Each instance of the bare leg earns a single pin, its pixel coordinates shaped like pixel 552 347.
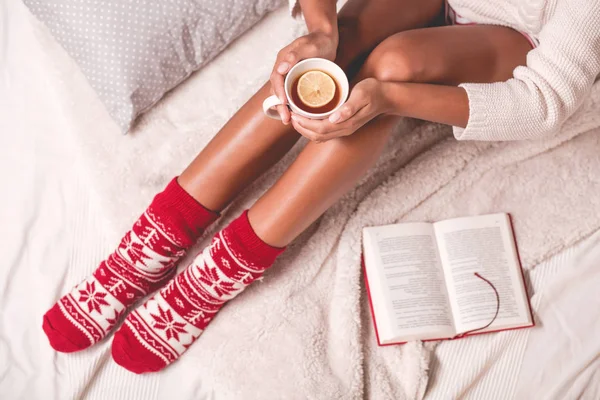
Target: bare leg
pixel 250 143
pixel 322 173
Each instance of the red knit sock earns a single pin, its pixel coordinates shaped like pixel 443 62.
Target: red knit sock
pixel 159 332
pixel 144 260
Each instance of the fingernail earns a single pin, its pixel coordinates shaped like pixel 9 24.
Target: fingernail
pixel 283 67
pixel 335 117
pixel 295 118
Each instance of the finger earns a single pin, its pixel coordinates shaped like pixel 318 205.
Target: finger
pixel 284 113
pixel 355 103
pixel 304 132
pixel 329 131
pixel 288 61
pixel 352 124
pixel 307 133
pixel 345 112
pixel 321 126
pixel 318 136
pixel 277 81
pixel 325 128
pixel 285 63
pixel 283 67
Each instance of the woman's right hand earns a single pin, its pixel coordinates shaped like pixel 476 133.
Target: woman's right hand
pixel 315 44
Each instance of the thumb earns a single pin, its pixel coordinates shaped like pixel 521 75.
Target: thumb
pixel 344 113
pixel 356 101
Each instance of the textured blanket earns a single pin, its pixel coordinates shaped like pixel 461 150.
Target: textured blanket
pixel 305 331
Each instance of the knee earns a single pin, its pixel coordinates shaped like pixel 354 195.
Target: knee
pixel 396 59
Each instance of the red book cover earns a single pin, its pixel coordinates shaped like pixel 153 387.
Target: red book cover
pixel 470 333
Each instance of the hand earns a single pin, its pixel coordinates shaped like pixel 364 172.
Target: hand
pixel 315 44
pixel 367 100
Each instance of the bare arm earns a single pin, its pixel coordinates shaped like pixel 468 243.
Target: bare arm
pixel 321 41
pixel 370 98
pixel 320 16
pixel 438 103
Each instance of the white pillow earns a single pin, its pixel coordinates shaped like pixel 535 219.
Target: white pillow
pixel 132 52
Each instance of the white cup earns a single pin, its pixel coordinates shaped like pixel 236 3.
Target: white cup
pixel 303 66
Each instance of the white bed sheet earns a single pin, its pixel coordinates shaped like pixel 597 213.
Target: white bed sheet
pixel 47 226
pixel 49 223
pixel 557 359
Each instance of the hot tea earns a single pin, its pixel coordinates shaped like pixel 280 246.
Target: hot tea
pixel 315 92
pixel 315 89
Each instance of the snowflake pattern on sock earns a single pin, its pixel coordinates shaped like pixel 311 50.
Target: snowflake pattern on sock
pixel 160 331
pixel 143 261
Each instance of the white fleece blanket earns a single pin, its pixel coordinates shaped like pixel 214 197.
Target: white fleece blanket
pixel 305 331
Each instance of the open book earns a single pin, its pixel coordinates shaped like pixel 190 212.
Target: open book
pixel 422 283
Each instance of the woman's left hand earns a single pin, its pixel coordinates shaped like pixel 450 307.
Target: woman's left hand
pixel 366 101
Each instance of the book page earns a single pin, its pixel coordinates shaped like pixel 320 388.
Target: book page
pixel 406 283
pixel 485 245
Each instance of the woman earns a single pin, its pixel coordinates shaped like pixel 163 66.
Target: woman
pixel 530 65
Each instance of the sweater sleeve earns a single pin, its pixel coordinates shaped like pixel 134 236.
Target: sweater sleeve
pixel 543 94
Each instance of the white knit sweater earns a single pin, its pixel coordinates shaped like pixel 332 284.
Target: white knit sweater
pixel 558 75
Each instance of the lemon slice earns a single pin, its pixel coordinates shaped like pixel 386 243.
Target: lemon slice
pixel 316 89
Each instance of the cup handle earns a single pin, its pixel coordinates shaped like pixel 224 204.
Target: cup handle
pixel 268 105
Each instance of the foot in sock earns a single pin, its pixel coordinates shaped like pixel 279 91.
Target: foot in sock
pixel 144 260
pixel 160 331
